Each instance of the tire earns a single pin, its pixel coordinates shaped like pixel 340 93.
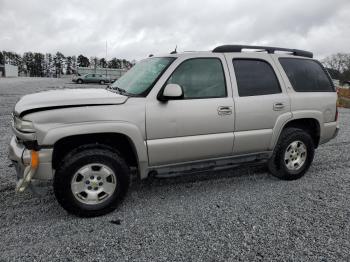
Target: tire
pixel 102 82
pixel 287 161
pixel 95 160
pixel 80 81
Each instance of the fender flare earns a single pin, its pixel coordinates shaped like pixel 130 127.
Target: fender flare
pixel 119 127
pixel 282 121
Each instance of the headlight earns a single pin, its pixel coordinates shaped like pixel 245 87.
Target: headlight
pixel 23 125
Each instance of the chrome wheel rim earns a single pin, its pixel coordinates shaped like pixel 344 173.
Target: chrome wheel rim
pixel 93 184
pixel 295 155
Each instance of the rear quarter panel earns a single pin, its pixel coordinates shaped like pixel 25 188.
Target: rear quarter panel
pixel 318 105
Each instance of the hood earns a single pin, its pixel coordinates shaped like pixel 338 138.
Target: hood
pixel 67 98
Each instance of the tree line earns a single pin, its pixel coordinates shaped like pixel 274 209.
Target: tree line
pixel 338 66
pixel 48 65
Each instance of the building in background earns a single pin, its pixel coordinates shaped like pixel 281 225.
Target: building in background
pixel 8 70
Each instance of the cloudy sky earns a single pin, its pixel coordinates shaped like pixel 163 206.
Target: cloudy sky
pixel 135 28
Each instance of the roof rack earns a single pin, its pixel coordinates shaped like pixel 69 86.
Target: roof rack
pixel 268 49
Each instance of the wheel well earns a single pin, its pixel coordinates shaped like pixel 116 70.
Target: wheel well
pixel 310 125
pixel 119 142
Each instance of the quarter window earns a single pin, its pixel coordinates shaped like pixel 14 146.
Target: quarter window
pixel 306 75
pixel 200 78
pixel 255 77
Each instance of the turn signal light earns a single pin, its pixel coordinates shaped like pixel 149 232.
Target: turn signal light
pixel 34 162
pixel 336 114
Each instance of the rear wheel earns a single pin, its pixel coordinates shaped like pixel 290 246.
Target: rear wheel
pixel 91 181
pixel 102 82
pixel 293 154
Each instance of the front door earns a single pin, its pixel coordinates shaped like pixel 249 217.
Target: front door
pixel 199 126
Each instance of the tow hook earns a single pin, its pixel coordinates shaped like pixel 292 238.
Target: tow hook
pixel 32 162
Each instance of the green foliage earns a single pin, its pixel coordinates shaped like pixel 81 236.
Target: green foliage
pixel 103 63
pixel 69 65
pixel 114 63
pixel 1 59
pixel 48 65
pixel 83 61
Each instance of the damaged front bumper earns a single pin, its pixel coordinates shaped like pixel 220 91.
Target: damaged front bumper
pixel 31 173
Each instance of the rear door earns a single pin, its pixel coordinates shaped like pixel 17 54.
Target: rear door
pixel 260 101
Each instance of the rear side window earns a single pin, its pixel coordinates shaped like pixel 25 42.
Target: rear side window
pixel 255 77
pixel 306 75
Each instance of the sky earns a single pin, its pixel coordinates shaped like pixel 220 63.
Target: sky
pixel 133 29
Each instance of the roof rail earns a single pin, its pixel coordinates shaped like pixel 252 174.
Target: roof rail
pixel 268 49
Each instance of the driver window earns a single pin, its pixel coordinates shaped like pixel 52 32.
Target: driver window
pixel 200 78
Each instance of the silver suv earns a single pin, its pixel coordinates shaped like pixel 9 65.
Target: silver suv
pixel 171 114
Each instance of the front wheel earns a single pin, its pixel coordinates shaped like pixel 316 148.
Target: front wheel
pixel 80 81
pixel 91 181
pixel 102 82
pixel 293 154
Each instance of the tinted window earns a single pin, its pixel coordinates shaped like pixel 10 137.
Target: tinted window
pixel 306 75
pixel 255 77
pixel 200 78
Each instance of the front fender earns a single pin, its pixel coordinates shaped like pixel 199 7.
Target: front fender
pixel 51 136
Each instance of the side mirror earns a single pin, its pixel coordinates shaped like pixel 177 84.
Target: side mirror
pixel 171 92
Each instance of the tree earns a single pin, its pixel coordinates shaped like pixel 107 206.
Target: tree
pixel 28 61
pixel 339 62
pixel 114 63
pixel 69 65
pixel 11 58
pixel 94 62
pixel 58 63
pixel 83 61
pixel 38 64
pixel 18 61
pixel 2 60
pixel 103 63
pixel 48 65
pixel 74 64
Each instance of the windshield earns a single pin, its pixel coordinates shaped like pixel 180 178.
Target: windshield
pixel 141 78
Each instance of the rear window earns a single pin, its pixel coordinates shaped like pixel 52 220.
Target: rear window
pixel 307 75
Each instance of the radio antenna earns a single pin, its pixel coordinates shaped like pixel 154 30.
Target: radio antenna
pixel 174 52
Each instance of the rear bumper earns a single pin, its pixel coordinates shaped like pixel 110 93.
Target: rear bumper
pixel 27 176
pixel 336 132
pixel 329 131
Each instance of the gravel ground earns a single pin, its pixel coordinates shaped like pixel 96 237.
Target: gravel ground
pixel 240 214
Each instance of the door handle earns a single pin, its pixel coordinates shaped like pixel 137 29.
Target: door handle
pixel 224 110
pixel 278 106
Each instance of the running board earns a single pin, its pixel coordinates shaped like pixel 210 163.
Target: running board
pixel 207 165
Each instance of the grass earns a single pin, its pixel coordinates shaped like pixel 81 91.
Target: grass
pixel 343 98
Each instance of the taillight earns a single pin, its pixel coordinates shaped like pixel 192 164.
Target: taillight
pixel 336 114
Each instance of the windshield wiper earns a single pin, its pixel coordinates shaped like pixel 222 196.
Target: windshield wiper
pixel 122 91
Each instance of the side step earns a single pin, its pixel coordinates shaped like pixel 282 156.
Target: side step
pixel 207 165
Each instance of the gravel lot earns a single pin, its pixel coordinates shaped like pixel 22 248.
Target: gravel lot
pixel 240 214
